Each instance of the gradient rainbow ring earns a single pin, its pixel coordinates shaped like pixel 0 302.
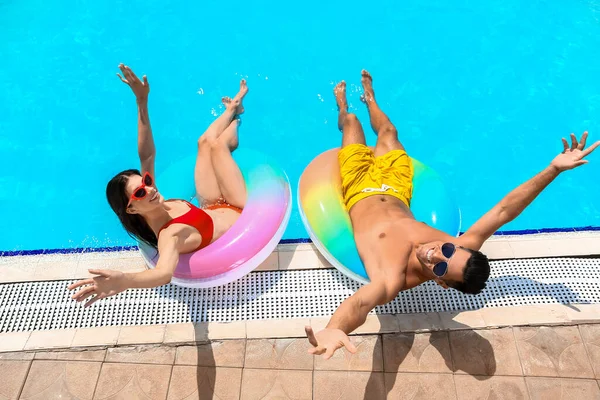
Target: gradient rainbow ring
pixel 249 241
pixel 327 222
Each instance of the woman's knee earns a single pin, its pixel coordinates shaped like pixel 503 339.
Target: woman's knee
pixel 205 143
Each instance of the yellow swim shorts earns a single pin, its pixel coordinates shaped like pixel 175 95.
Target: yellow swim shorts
pixel 365 175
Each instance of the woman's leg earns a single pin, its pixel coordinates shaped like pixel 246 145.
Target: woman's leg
pixel 207 187
pixel 229 176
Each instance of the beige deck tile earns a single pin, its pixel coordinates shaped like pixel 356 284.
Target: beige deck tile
pixel 323 263
pixel 553 351
pixel 419 386
pixel 205 331
pixel 270 264
pixel 318 323
pixel 417 352
pixel 591 338
pixel 502 317
pixel 55 338
pixel 369 356
pixel 13 375
pixel 562 389
pixel 224 353
pixel 99 336
pixel 258 384
pixel 279 354
pixel 299 259
pixel 555 247
pixel 17 268
pixel 374 324
pixel 180 333
pixel 13 341
pixel 497 249
pixel 56 266
pixel 141 355
pixel 276 328
pixel 133 381
pixel 61 379
pixel 491 387
pixel 199 383
pixel 17 356
pixel 141 334
pixel 348 385
pixel 378 323
pixel 582 313
pixel 485 352
pixel 291 247
pixel 419 322
pixel 456 320
pixel 79 355
pixel 532 315
pixel 124 264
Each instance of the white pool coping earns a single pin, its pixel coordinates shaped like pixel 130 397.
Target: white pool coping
pixel 34 268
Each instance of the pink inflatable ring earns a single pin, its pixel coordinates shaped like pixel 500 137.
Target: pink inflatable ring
pixel 249 241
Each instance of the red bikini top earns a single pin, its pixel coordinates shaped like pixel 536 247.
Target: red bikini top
pixel 198 219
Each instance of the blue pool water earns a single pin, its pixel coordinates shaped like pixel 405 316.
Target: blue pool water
pixel 481 91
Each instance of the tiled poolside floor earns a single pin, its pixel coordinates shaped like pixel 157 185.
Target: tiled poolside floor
pixel 543 362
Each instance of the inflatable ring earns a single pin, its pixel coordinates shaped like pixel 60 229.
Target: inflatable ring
pixel 249 241
pixel 328 224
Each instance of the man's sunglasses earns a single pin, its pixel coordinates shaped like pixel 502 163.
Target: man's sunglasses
pixel 440 269
pixel 140 192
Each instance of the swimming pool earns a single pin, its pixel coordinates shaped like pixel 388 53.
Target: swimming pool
pixel 481 92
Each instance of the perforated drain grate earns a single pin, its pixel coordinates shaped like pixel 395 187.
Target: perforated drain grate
pixel 291 294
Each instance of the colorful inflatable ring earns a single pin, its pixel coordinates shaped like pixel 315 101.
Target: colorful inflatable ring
pixel 328 224
pixel 249 241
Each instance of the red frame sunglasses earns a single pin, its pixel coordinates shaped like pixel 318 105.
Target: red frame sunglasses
pixel 140 192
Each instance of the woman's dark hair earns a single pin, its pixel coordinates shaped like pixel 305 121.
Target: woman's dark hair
pixel 135 225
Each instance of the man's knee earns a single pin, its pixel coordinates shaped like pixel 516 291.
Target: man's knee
pixel 350 119
pixel 388 132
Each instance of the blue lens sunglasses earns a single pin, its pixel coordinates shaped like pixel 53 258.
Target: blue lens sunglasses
pixel 440 269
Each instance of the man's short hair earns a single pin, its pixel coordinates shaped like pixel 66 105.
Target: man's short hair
pixel 475 275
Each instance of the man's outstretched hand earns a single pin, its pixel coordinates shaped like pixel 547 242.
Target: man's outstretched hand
pixel 328 341
pixel 572 157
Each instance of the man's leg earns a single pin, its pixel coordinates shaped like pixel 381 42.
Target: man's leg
pixel 347 123
pixel 387 135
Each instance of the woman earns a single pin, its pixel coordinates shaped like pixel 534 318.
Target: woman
pixel 175 226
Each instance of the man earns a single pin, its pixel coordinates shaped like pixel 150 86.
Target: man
pixel 399 252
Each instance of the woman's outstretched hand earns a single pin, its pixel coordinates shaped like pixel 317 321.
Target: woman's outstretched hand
pixel 139 88
pixel 106 283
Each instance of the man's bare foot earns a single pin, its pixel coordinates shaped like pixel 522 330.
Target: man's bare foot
pixel 237 100
pixel 367 82
pixel 339 91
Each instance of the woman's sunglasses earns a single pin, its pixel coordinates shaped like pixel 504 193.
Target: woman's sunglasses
pixel 140 192
pixel 440 269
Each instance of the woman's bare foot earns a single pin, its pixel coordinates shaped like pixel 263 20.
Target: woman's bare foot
pixel 339 91
pixel 367 82
pixel 236 102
